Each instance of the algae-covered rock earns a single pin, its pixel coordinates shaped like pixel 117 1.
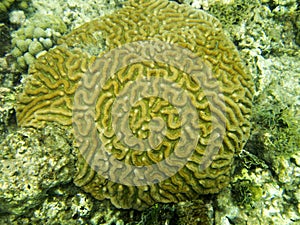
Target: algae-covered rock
pixel 258 27
pixel 75 13
pixel 256 197
pixel 194 212
pixel 7 112
pixel 5 39
pixel 67 205
pixel 270 184
pixel 205 4
pixel 263 188
pixel 32 162
pixel 7 99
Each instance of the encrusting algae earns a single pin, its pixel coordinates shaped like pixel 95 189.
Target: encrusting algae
pixel 64 81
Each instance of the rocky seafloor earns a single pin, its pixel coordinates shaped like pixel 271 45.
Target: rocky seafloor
pixel 36 180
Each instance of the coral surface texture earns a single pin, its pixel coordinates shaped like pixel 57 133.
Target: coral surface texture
pixel 170 98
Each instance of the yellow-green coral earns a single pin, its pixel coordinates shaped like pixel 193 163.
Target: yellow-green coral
pixel 49 96
pixel 38 34
pixel 5 6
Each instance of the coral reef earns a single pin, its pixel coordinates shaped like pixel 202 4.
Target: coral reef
pixel 39 33
pixel 265 186
pixel 75 13
pixel 17 17
pixel 257 29
pixel 6 5
pixel 49 92
pixel 50 20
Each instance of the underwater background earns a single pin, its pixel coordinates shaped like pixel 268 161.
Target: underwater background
pixel 37 165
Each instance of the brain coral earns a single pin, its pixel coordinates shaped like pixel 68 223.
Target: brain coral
pixel 65 83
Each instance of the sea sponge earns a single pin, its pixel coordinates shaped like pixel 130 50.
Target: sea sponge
pixel 178 82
